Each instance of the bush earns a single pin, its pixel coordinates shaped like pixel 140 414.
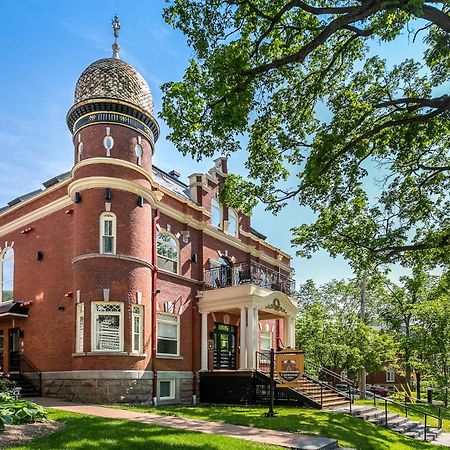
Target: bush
pixel 5 384
pixel 19 411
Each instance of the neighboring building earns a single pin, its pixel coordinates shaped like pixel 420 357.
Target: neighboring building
pixel 121 283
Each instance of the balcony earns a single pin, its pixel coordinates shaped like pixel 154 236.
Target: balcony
pixel 248 273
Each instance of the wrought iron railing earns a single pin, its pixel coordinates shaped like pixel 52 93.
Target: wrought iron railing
pixel 248 273
pixel 31 373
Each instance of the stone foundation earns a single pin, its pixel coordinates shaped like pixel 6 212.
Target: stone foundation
pixel 114 386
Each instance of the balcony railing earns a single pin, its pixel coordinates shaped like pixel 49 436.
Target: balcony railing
pixel 248 273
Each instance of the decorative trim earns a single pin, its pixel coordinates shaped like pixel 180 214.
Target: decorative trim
pixel 152 197
pixel 105 255
pixel 98 374
pixel 39 213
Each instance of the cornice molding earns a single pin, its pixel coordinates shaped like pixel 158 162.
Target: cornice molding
pixel 39 213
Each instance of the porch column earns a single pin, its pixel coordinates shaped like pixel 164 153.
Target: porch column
pixel 251 338
pixel 287 332
pixel 256 335
pixel 292 326
pixel 242 340
pixel 204 348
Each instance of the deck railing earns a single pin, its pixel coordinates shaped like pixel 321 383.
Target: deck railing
pixel 248 273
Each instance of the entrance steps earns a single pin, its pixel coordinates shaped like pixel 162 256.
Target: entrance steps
pixel 395 422
pixel 27 388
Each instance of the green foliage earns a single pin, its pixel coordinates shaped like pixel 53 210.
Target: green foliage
pixel 331 333
pixel 21 411
pixel 374 167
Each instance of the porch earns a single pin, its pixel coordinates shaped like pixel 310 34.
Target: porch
pixel 232 344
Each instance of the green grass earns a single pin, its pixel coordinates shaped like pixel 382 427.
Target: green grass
pixel 350 432
pixel 413 415
pixel 87 432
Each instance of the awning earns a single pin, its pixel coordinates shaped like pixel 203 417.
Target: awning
pixel 14 309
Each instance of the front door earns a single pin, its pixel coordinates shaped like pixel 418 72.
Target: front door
pixel 224 346
pixel 14 350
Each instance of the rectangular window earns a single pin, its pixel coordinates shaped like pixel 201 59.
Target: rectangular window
pixel 107 327
pixel 266 341
pixel 108 237
pixel 137 329
pixel 390 376
pixel 168 332
pixel 167 389
pixel 344 375
pixel 80 328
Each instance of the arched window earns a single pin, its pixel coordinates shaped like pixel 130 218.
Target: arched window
pixel 108 233
pixel 167 250
pixel 7 273
pixel 232 222
pixel 216 213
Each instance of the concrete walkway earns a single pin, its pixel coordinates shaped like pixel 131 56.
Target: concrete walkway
pixel 263 436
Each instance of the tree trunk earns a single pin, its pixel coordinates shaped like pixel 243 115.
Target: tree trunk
pixel 362 383
pixel 418 385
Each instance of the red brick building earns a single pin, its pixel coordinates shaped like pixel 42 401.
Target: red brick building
pixel 119 282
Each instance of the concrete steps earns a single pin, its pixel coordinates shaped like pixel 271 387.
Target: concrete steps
pixel 395 422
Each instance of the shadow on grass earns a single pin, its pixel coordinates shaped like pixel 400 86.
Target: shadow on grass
pixel 348 430
pixel 88 432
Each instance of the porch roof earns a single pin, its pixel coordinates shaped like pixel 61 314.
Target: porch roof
pixel 13 309
pixel 271 304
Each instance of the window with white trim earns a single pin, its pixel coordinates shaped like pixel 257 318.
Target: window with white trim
pixel 80 329
pixel 344 374
pixel 107 326
pixel 390 375
pixel 232 222
pixel 265 341
pixel 167 250
pixel 168 334
pixel 166 389
pixel 108 233
pixel 7 275
pixel 79 151
pixel 138 152
pixel 137 329
pixel 216 213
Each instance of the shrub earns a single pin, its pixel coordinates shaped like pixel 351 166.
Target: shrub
pixel 5 384
pixel 20 411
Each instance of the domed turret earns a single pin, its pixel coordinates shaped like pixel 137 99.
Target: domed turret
pixel 115 79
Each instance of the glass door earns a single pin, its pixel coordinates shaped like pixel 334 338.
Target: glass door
pixel 224 346
pixel 14 350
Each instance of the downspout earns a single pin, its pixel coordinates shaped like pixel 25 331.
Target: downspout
pixel 155 292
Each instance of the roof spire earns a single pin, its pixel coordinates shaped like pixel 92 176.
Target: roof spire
pixel 116 28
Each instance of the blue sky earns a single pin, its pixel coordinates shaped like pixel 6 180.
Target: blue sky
pixel 46 45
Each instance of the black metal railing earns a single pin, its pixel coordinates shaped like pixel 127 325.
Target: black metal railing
pixel 248 273
pixel 31 373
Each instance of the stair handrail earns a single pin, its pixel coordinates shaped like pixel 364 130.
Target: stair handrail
pixel 406 407
pixel 34 369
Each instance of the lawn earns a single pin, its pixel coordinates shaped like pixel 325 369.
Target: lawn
pixel 349 431
pixel 88 432
pixel 413 415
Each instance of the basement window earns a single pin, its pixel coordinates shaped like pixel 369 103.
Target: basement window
pixel 167 389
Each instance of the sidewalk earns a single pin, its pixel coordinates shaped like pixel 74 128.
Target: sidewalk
pixel 263 436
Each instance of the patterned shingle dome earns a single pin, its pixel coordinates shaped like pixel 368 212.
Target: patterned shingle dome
pixel 114 78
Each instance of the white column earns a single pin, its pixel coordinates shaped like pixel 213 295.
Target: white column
pixel 204 348
pixel 287 332
pixel 256 335
pixel 251 339
pixel 292 326
pixel 242 340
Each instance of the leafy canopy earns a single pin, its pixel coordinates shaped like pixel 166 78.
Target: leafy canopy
pixel 261 71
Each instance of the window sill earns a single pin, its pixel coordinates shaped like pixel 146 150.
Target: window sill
pixel 168 356
pixel 138 355
pixel 103 353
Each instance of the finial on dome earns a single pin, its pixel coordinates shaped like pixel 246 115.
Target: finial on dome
pixel 116 28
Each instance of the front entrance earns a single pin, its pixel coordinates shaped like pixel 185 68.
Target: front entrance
pixel 224 346
pixel 14 350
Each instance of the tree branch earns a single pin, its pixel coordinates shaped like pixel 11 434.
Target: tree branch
pixel 438 17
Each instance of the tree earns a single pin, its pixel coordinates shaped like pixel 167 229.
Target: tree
pixel 263 68
pixel 331 333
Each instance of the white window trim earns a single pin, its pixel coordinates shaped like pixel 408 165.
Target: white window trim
pixel 172 389
pixel 79 339
pixel 390 375
pixel 168 355
pixel 162 256
pixel 94 314
pixel 2 256
pixel 232 212
pixel 219 207
pixel 139 350
pixel 103 216
pixel 266 335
